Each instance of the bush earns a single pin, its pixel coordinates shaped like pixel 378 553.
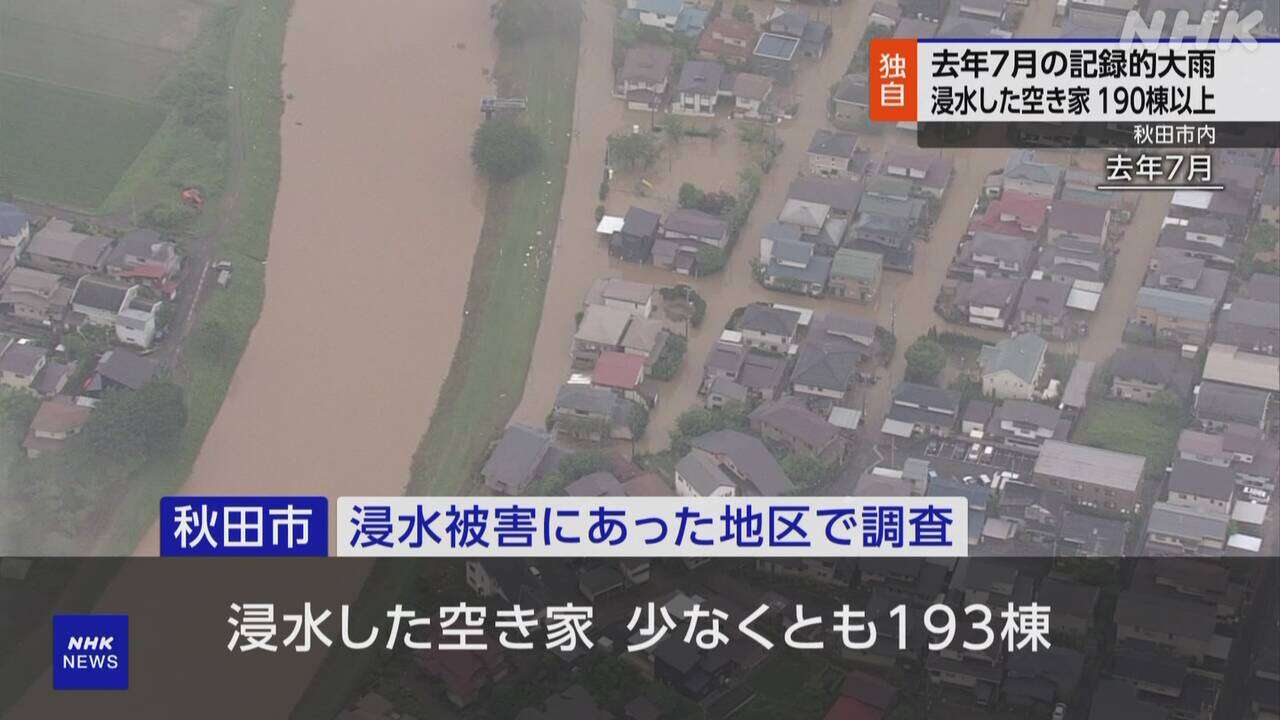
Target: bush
pixel 128 426
pixel 634 151
pixel 700 421
pixel 711 260
pixel 925 359
pixel 167 216
pixel 504 149
pixel 669 360
pixel 807 471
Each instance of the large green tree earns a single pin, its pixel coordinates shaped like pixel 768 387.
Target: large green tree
pixel 925 359
pixel 504 149
pixel 129 426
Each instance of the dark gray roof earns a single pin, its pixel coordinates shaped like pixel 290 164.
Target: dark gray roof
pixel 1191 524
pixel 840 194
pixel 575 702
pixel 1254 313
pixel 988 292
pixel 701 77
pixel 12 220
pixel 22 360
pixel 1044 297
pixel 793 418
pixel 688 221
pixel 761 372
pixel 596 484
pixel 781 231
pixel 1152 366
pixel 1117 700
pixel 1226 403
pixel 771 320
pixel 100 294
pixel 127 368
pixel 647 64
pixel 1022 166
pixel 586 398
pixel 1029 413
pixel 1077 218
pixel 1208 481
pixel 640 222
pixel 702 473
pixel 750 456
pixel 815 272
pixel 1070 598
pixel 853 90
pixel 1263 287
pixel 1004 247
pixel 837 144
pixel 927 396
pixel 827 363
pixel 514 459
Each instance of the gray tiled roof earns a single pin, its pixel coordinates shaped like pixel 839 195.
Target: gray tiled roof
pixel 762 318
pixel 1208 481
pixel 750 456
pixel 516 456
pixel 1021 356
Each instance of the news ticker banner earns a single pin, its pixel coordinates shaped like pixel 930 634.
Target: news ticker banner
pixel 982 92
pixel 565 527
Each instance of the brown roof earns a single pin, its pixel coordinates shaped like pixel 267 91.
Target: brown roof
pixel 647 63
pixel 1077 218
pixel 59 416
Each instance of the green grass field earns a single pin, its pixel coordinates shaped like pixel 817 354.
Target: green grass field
pixel 68 146
pixel 1146 430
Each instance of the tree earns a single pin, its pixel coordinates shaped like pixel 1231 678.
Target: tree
pixel 711 260
pixel 634 151
pixel 577 465
pixel 129 426
pixel 690 195
pixel 742 13
pixel 668 363
pixel 504 149
pixel 519 20
pixel 700 421
pixel 925 359
pixel 806 470
pixel 167 216
pixel 674 127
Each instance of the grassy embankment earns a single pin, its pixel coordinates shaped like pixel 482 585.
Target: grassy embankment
pixel 503 308
pixel 253 69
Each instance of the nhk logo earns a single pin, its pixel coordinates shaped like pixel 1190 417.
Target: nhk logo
pixel 91 652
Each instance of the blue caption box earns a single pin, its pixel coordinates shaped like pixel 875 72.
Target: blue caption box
pixel 277 526
pixel 90 652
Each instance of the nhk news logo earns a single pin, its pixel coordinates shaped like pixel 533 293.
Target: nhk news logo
pixel 90 652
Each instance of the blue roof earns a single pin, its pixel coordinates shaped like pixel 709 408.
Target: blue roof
pixel 776 47
pixel 1176 304
pixel 692 21
pixel 817 271
pixel 12 220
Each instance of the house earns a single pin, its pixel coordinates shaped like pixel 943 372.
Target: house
pixel 1179 530
pixel 1013 214
pixel 57 248
pixel 1025 425
pixel 987 10
pixel 643 78
pixel 54 423
pixel 794 267
pixel 1012 368
pixel 1218 406
pixel 989 254
pixel 727 40
pixel 759 374
pixel 814 39
pixel 921 409
pixel 121 369
pixel 977 414
pixel 1235 366
pixel 586 412
pixel 698 89
pixel 1090 476
pixel 692 21
pixel 1139 374
pixel 596 484
pixel 884 14
pixel 768 328
pixel 830 354
pixel 931 10
pixel 136 324
pixel 1176 237
pixel 929 172
pixel 53 378
pixel 601 328
pixel 751 95
pixel 34 296
pixel 855 276
pixel 791 424
pixel 1023 174
pixel 1075 396
pixel 774 53
pixel 645 338
pixel 1042 309
pixel 1202 487
pixel 1251 326
pixel 634 242
pixel 623 373
pixel 1173 316
pixel 831 153
pixel 689 225
pixel 1073 604
pixel 463 673
pixel 574 702
pixel 1041 679
pixel 20 365
pixel 890 237
pixel 661 14
pixel 1070 260
pixel 636 298
pixel 1084 222
pixel 516 459
pixel 986 302
pixel 15 233
pixel 850 103
pixel 101 301
pixel 142 257
pixel 841 197
pixel 728 463
pixel 1083 535
pixel 1171 270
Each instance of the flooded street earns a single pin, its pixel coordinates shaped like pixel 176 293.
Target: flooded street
pixel 376 223
pixel 906 302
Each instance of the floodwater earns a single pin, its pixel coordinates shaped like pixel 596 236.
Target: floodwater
pixel 376 224
pixel 906 301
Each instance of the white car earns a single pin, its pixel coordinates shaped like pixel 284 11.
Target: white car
pixel 1060 711
pixel 974 452
pixel 988 453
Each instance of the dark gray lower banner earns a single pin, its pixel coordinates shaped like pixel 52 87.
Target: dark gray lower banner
pixel 633 638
